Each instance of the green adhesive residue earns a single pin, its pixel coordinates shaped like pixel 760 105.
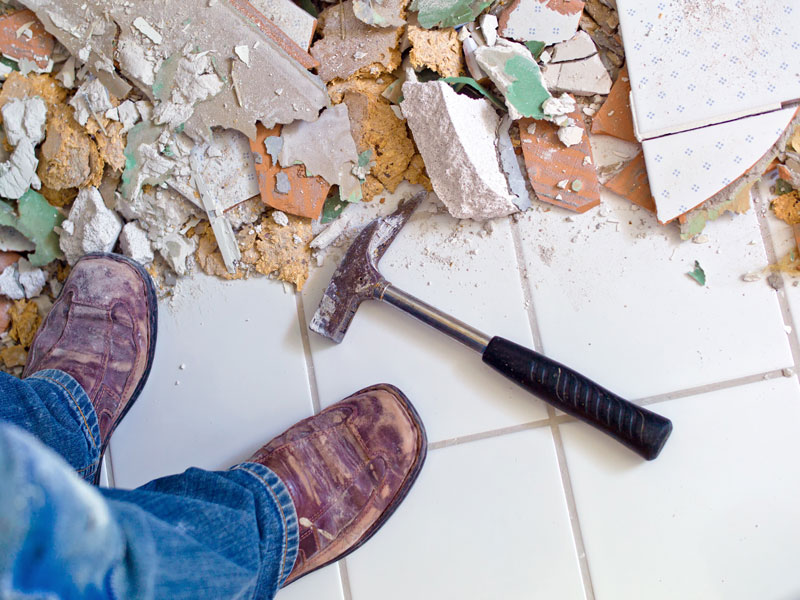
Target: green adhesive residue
pixel 165 78
pixel 527 93
pixel 536 48
pixel 477 87
pixel 364 158
pixel 698 274
pixel 333 206
pixel 443 13
pixel 35 219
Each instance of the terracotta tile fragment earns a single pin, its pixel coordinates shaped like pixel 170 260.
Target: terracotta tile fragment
pixel 37 48
pixel 632 183
pixel 7 259
pixel 306 196
pixel 549 163
pixel 615 118
pixel 271 30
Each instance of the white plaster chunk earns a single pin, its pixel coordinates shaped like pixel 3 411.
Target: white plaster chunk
pixel 469 46
pixel 90 99
pixel 176 249
pixel 534 20
pixel 195 80
pixel 135 59
pixel 159 211
pixel 492 59
pixel 585 77
pixel 24 119
pixel 489 28
pixel 243 52
pixel 326 148
pixel 134 243
pixel 9 283
pixel 91 226
pixel 280 218
pixel 66 75
pixel 562 105
pixel 579 46
pixel 457 138
pixel 32 279
pixel 148 30
pixel 570 135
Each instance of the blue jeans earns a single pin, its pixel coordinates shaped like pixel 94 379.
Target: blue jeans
pixel 201 534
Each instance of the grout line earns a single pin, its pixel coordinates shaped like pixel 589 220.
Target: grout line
pixel 572 508
pixel 561 458
pixel 772 257
pixel 474 437
pixel 344 575
pixel 312 374
pixel 516 236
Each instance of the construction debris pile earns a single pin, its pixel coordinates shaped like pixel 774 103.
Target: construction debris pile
pixel 231 136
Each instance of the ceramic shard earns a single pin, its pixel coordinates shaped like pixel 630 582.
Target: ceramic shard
pixel 587 77
pixel 457 137
pixel 23 37
pixel 632 183
pixel 615 118
pixel 548 21
pixel 446 13
pixel 290 18
pixel 326 148
pixel 562 176
pixel 306 195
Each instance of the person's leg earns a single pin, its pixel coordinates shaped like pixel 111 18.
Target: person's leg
pixel 215 535
pixel 53 407
pixel 88 362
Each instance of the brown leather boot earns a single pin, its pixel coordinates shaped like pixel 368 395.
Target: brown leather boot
pixel 102 331
pixel 347 469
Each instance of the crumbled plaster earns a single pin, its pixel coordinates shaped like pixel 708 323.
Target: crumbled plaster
pixel 134 243
pixel 91 227
pixel 457 137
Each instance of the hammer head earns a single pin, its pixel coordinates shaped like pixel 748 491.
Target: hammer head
pixel 357 278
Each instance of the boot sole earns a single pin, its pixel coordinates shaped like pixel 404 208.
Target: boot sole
pixel 152 305
pixel 402 492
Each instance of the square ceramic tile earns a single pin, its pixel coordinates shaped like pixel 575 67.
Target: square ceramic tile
pixel 324 584
pixel 715 516
pixel 486 519
pixel 687 168
pixel 697 62
pixel 612 299
pixel 243 380
pixel 461 269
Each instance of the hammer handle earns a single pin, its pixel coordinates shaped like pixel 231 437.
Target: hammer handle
pixel 639 429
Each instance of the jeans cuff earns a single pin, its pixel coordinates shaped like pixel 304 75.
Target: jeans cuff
pixel 283 501
pixel 82 409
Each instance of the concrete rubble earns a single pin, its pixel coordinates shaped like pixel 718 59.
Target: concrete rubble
pixel 217 136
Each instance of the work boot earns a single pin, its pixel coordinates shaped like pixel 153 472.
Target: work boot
pixel 347 469
pixel 101 331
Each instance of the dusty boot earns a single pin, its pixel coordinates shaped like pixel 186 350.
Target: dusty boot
pixel 347 469
pixel 102 332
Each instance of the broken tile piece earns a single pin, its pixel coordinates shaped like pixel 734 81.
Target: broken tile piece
pixel 290 18
pixel 436 49
pixel 516 74
pixel 489 26
pixel 548 21
pixel 326 148
pixel 577 47
pixel 306 195
pixel 35 219
pixel 632 183
pixel 511 165
pixel 38 47
pixel 456 137
pixel 91 227
pixel 586 77
pixel 365 50
pixel 698 274
pixel 550 163
pixel 615 118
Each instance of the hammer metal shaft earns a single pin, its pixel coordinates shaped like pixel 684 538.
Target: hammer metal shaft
pixel 437 319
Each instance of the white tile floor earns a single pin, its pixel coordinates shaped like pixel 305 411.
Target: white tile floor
pixel 517 501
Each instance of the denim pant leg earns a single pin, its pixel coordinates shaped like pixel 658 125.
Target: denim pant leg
pixel 53 407
pixel 228 534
